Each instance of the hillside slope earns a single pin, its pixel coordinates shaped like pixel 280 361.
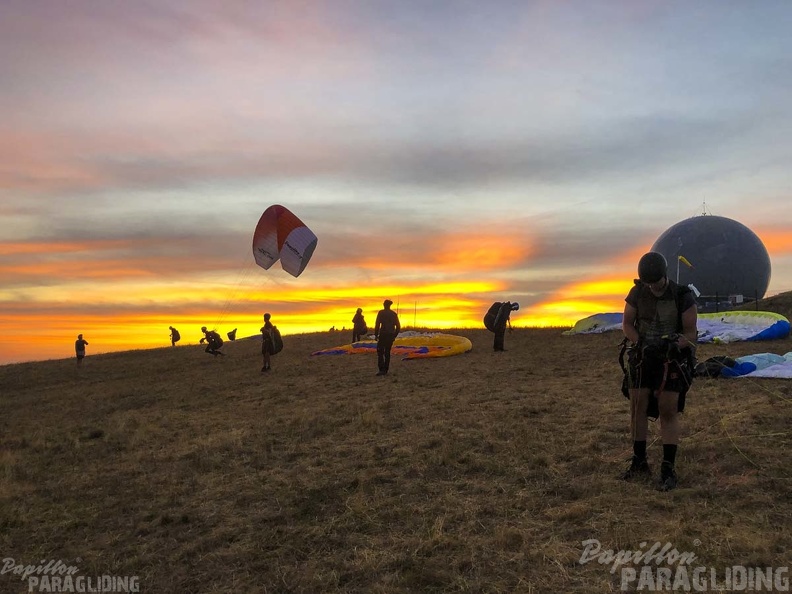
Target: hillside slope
pixel 781 304
pixel 483 472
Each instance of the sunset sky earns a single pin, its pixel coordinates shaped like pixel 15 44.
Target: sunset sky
pixel 447 155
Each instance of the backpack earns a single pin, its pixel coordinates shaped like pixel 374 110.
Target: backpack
pixel 491 316
pixel 215 340
pixel 713 366
pixel 277 340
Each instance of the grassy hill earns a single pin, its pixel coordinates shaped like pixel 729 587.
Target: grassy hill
pixel 483 472
pixel 781 304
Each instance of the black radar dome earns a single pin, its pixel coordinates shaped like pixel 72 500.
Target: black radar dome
pixel 727 257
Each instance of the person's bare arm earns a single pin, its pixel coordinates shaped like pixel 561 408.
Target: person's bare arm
pixel 628 323
pixel 689 335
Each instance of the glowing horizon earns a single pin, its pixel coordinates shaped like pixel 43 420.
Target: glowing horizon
pixel 439 157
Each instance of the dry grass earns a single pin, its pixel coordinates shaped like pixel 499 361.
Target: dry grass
pixel 476 473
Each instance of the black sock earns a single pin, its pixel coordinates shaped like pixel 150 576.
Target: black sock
pixel 639 449
pixel 669 453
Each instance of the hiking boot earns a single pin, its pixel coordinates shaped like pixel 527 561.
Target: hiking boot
pixel 668 477
pixel 639 468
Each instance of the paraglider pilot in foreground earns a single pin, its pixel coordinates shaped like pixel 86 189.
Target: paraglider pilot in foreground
pixel 213 341
pixel 386 329
pixel 660 323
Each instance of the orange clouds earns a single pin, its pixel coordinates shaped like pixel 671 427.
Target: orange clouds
pixel 126 292
pixel 777 241
pixel 580 299
pixel 19 248
pixel 469 250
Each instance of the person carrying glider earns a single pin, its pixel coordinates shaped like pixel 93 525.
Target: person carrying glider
pixel 359 327
pixel 79 348
pixel 497 318
pixel 174 335
pixel 500 325
pixel 213 341
pixel 660 323
pixel 386 329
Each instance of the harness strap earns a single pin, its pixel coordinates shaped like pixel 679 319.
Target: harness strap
pixel 661 387
pixel 623 346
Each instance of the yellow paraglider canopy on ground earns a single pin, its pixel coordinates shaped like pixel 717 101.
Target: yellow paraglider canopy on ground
pixel 410 345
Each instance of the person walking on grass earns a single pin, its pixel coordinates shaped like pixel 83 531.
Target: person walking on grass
pixel 79 348
pixel 386 329
pixel 659 322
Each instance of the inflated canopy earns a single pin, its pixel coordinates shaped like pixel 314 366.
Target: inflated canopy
pixel 280 235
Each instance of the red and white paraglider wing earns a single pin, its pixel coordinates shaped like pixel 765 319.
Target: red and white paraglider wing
pixel 297 248
pixel 265 238
pixel 280 234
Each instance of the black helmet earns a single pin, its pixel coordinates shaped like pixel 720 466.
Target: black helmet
pixel 652 267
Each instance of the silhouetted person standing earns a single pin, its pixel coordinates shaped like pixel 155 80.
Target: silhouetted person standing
pixel 267 343
pixel 174 336
pixel 386 329
pixel 79 348
pixel 359 327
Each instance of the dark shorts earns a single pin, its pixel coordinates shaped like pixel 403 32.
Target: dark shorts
pixel 654 372
pixel 657 373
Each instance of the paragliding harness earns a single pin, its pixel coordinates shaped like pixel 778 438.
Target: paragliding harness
pixel 714 366
pixel 676 362
pixel 497 316
pixel 277 340
pixel 214 340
